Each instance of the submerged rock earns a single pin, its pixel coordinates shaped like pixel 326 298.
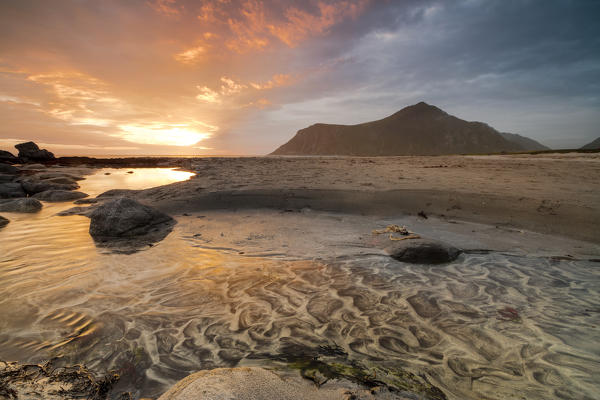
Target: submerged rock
pixel 3 221
pixel 29 151
pixel 8 169
pixel 422 251
pixel 5 178
pixel 11 190
pixel 126 218
pixel 23 205
pixel 59 195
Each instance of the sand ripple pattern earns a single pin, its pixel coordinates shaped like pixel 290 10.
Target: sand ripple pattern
pixel 163 313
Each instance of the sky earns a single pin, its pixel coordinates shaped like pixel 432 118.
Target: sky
pixel 240 77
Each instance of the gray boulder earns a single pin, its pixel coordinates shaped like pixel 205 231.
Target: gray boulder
pixel 6 156
pixel 8 169
pixel 30 151
pixel 3 221
pixel 126 218
pixel 59 195
pixel 11 190
pixel 52 175
pixel 33 186
pixel 422 251
pixel 23 205
pixel 4 178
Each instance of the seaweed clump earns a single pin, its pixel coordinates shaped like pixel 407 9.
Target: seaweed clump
pixel 331 362
pixel 48 381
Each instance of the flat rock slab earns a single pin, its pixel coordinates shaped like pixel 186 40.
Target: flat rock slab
pixel 59 195
pixel 11 190
pixel 36 186
pixel 258 383
pixel 22 205
pixel 8 169
pixel 422 251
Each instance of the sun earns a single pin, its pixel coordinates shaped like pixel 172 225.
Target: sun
pixel 163 134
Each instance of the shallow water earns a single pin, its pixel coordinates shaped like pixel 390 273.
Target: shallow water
pixel 160 314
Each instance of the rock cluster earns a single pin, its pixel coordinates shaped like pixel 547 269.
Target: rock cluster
pixel 30 151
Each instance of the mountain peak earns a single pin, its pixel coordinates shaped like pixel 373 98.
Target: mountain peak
pixel 420 129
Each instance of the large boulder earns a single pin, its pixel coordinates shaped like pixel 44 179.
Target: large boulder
pixel 126 218
pixel 33 186
pixel 422 251
pixel 30 151
pixel 8 169
pixel 11 190
pixel 59 195
pixel 3 221
pixel 5 178
pixel 259 383
pixel 7 157
pixel 23 205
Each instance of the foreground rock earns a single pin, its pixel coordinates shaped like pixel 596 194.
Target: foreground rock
pixel 59 195
pixel 422 251
pixel 125 217
pixel 3 221
pixel 30 151
pixel 11 190
pixel 23 205
pixel 127 226
pixel 259 383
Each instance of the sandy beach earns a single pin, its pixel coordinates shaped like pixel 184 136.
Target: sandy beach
pixel 556 194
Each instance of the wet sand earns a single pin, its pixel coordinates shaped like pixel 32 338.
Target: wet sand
pixel 275 257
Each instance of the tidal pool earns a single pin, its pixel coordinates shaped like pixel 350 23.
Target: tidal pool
pixel 178 307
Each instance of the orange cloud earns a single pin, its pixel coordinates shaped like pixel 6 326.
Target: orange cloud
pixel 276 81
pixel 165 7
pixel 301 24
pixel 252 25
pixel 190 56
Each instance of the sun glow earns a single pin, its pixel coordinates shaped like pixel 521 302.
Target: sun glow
pixel 163 134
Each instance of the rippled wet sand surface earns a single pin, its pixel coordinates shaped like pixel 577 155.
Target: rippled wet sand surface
pixel 160 314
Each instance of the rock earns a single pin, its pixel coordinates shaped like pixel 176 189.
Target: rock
pixel 24 205
pixel 6 156
pixel 3 221
pixel 33 167
pixel 11 190
pixel 8 169
pixel 5 178
pixel 30 151
pixel 33 186
pixel 85 211
pixel 59 195
pixel 422 251
pixel 86 201
pixel 260 383
pixel 123 217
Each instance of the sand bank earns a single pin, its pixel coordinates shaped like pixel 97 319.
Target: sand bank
pixel 555 194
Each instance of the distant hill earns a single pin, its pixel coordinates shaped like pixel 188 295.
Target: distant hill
pixel 525 142
pixel 592 145
pixel 420 129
